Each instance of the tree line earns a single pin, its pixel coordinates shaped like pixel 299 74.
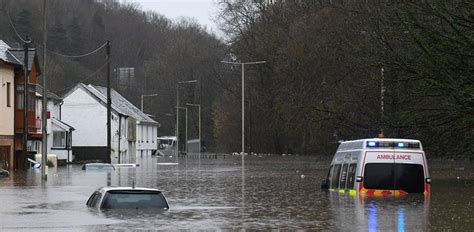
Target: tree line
pixel 326 61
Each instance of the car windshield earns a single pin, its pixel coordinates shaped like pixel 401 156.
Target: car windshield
pixel 134 199
pixel 394 176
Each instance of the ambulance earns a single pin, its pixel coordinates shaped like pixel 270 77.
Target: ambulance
pixel 379 167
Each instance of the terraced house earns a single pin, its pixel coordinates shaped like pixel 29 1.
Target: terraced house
pixel 12 106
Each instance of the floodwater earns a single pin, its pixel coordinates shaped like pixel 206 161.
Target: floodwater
pixel 210 194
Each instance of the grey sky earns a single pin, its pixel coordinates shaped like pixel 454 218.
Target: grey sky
pixel 202 10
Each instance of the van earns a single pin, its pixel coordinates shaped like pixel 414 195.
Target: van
pixel 379 167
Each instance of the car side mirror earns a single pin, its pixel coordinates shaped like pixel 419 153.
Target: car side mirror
pixel 428 180
pixel 359 179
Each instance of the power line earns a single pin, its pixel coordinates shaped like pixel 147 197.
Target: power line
pixel 14 29
pixel 79 56
pixel 85 79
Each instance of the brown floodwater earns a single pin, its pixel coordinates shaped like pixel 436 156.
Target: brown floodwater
pixel 271 192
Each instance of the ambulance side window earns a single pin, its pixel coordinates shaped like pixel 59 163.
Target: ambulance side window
pixel 342 180
pixel 351 175
pixel 335 176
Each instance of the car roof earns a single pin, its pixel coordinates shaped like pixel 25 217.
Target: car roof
pixel 112 188
pixel 383 139
pixel 98 164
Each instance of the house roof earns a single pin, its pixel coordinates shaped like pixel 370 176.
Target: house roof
pixel 51 95
pixel 124 105
pixel 6 55
pixel 15 56
pixel 19 54
pixel 62 124
pixel 119 104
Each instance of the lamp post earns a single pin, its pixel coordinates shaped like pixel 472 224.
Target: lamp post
pixel 177 112
pixel 243 97
pixel 199 108
pixel 186 119
pixel 147 95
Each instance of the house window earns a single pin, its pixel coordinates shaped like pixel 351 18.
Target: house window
pixel 59 139
pixel 8 94
pixel 31 101
pixel 19 100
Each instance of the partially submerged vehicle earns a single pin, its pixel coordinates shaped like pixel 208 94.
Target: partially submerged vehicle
pixel 166 145
pixel 127 198
pixel 379 167
pixel 98 167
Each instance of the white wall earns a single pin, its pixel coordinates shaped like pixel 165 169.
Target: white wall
pixel 6 113
pixel 88 117
pixel 146 139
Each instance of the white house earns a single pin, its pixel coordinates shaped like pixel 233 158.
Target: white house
pixel 59 133
pixel 84 107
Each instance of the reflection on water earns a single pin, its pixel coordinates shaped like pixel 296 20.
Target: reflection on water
pixel 268 193
pixel 380 214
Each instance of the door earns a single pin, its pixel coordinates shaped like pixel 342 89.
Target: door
pixel 4 157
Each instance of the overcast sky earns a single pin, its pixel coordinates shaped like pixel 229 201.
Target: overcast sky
pixel 202 10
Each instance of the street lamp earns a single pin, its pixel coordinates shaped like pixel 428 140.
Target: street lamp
pixel 147 95
pixel 199 108
pixel 186 133
pixel 243 97
pixel 177 114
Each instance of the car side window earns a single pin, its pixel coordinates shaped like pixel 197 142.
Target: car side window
pixel 91 199
pixel 96 200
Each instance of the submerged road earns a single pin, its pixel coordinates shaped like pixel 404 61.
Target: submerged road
pixel 272 192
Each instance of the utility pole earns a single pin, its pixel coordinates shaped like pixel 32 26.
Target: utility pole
pixel 199 108
pixel 177 121
pixel 177 112
pixel 109 105
pixel 25 99
pixel 44 148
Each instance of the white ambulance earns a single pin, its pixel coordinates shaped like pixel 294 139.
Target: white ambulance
pixel 379 167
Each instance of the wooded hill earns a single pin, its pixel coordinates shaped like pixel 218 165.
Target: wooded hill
pixel 322 81
pixel 161 52
pixel 325 64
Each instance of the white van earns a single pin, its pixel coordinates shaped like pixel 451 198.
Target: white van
pixel 379 167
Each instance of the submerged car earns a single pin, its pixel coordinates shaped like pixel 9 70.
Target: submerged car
pixel 98 167
pixel 127 198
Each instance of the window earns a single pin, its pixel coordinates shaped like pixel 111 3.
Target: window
pixel 342 180
pixel 351 176
pixel 94 200
pixel 31 101
pixel 335 176
pixel 59 139
pixel 393 176
pixel 19 100
pixel 8 94
pixel 134 200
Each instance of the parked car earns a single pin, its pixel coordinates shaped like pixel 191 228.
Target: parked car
pixel 106 198
pixel 98 167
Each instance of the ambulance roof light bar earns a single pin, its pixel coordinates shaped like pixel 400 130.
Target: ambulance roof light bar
pixel 387 144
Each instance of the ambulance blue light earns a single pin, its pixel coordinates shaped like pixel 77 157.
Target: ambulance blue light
pixel 371 144
pixel 401 145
